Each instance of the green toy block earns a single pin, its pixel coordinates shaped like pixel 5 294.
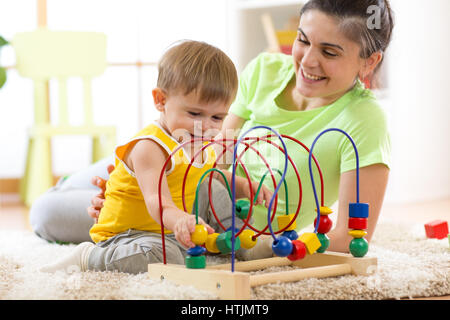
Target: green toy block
pixel 223 242
pixel 195 262
pixel 242 208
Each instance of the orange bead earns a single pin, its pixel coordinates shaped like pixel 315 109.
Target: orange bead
pixel 210 243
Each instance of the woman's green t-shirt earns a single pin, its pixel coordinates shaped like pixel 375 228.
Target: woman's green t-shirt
pixel 357 113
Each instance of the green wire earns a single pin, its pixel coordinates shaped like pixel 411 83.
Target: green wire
pixel 285 188
pixel 229 190
pixel 198 188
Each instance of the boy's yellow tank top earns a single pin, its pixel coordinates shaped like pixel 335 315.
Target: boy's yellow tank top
pixel 124 207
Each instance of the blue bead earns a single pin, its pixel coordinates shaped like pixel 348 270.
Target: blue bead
pixel 358 210
pixel 236 230
pixel 282 247
pixel 196 251
pixel 292 234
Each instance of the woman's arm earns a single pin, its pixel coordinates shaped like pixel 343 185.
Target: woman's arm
pixel 372 186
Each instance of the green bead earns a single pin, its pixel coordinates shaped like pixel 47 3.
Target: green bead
pixel 324 241
pixel 223 242
pixel 195 262
pixel 242 208
pixel 359 247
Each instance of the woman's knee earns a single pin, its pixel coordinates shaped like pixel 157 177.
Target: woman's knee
pixel 43 213
pixel 61 215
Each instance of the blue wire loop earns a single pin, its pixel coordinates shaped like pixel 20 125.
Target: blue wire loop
pixel 311 174
pixel 233 187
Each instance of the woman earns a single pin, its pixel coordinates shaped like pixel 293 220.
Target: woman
pixel 319 88
pixel 316 88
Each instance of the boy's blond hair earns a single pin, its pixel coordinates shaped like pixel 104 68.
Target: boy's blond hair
pixel 192 65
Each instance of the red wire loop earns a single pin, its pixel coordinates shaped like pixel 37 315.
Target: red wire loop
pixel 248 146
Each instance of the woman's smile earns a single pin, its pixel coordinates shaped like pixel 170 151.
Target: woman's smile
pixel 311 78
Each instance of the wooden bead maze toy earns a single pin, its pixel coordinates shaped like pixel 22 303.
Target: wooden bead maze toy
pixel 306 253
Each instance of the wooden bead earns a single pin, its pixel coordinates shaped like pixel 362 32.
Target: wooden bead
pixel 224 243
pixel 196 251
pixel 292 234
pixel 357 233
pixel 358 247
pixel 210 243
pixel 325 211
pixel 298 251
pixel 358 210
pixel 242 208
pixel 199 235
pixel 311 241
pixel 325 242
pixel 284 220
pixel 282 247
pixel 195 262
pixel 246 238
pixel 325 224
pixel 357 223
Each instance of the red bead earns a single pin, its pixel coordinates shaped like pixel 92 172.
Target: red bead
pixel 357 223
pixel 325 224
pixel 436 229
pixel 298 250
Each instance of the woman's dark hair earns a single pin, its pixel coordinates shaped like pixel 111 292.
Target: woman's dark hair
pixel 367 22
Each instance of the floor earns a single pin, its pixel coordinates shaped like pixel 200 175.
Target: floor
pixel 14 215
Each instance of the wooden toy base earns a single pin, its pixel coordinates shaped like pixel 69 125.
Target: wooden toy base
pixel 219 280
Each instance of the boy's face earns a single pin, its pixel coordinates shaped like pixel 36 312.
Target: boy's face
pixel 184 117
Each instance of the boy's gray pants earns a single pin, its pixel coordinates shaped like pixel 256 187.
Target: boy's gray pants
pixel 131 251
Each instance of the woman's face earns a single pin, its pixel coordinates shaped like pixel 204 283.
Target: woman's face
pixel 326 62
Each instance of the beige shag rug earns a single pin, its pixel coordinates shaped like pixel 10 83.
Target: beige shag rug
pixel 409 265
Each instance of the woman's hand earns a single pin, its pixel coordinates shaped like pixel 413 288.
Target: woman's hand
pixel 264 194
pixel 98 199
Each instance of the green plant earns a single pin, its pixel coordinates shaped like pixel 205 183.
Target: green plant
pixel 3 42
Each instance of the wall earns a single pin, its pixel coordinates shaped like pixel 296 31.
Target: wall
pixel 418 101
pixel 136 30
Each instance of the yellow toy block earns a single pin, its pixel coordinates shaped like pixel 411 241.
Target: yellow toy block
pixel 311 241
pixel 325 211
pixel 357 233
pixel 284 220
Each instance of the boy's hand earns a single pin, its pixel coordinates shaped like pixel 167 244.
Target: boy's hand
pixel 185 226
pixel 98 199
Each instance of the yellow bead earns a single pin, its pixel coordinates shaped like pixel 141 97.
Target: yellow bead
pixel 311 241
pixel 284 220
pixel 357 233
pixel 210 243
pixel 199 235
pixel 246 239
pixel 325 210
